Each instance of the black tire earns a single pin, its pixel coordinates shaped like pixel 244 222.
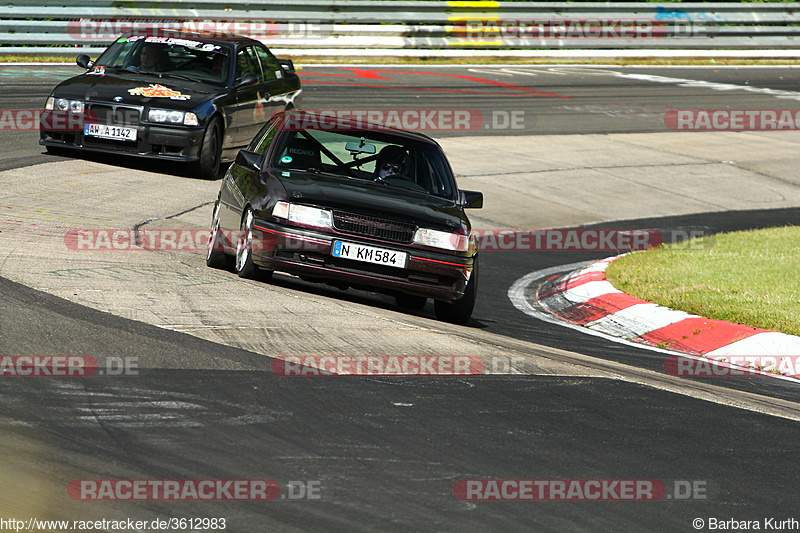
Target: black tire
pixel 460 311
pixel 58 150
pixel 244 265
pixel 207 166
pixel 215 256
pixel 410 301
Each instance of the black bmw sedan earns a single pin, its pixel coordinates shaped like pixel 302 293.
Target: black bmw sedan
pixel 350 204
pixel 182 97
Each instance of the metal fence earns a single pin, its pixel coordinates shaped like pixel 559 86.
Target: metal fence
pixel 397 27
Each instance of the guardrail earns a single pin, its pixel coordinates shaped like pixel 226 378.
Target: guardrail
pixel 401 27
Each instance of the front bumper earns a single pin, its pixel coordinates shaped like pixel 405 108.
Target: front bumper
pixel 177 143
pixel 308 253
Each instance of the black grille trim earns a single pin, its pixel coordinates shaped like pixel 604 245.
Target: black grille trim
pixel 386 272
pixel 115 114
pixel 380 228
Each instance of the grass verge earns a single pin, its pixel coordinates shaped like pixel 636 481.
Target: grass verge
pixel 748 277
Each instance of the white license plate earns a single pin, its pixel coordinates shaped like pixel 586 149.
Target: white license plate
pixel 369 254
pixel 110 132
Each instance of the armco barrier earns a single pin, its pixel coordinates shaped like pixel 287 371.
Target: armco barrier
pixel 398 27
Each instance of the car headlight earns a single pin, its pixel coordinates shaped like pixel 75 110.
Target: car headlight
pixel 456 242
pixel 171 116
pixel 302 214
pixel 281 210
pixel 64 104
pixel 168 116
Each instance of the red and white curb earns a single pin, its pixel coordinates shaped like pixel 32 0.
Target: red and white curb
pixel 585 300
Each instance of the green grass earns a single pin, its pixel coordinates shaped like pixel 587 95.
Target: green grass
pixel 748 277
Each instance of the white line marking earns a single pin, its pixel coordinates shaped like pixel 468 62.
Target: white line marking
pixel 700 84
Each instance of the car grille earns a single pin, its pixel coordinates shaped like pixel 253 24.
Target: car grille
pixel 386 272
pixel 117 114
pixel 379 228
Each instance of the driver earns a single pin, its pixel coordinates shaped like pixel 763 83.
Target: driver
pixel 151 58
pixel 391 161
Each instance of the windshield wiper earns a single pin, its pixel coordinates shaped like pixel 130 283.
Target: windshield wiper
pixel 319 172
pixel 178 76
pixel 161 74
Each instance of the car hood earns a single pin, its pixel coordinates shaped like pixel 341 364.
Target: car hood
pixel 136 89
pixel 373 199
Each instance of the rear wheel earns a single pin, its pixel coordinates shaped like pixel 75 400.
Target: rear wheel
pixel 460 311
pixel 216 257
pixel 207 166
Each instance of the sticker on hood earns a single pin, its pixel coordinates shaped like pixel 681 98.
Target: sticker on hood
pixel 158 91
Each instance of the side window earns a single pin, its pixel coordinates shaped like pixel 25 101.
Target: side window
pixel 247 62
pixel 262 141
pixel 118 55
pixel 269 65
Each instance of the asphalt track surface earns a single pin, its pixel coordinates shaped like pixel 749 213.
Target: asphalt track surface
pixel 388 451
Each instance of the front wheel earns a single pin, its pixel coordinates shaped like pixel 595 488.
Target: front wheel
pixel 207 165
pixel 245 266
pixel 460 311
pixel 58 150
pixel 410 301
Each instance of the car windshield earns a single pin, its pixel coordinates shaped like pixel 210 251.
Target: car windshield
pixel 378 156
pixel 169 56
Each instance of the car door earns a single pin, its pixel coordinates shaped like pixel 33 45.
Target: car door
pixel 245 62
pixel 257 102
pixel 277 88
pixel 241 184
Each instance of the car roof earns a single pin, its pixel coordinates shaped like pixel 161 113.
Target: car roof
pixel 228 40
pixel 362 125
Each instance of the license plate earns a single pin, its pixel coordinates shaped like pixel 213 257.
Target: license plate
pixel 110 132
pixel 369 254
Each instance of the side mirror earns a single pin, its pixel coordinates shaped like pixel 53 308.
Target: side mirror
pixel 247 79
pixel 287 65
pixel 84 61
pixel 248 159
pixel 470 199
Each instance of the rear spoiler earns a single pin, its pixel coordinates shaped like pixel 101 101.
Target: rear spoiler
pixel 287 65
